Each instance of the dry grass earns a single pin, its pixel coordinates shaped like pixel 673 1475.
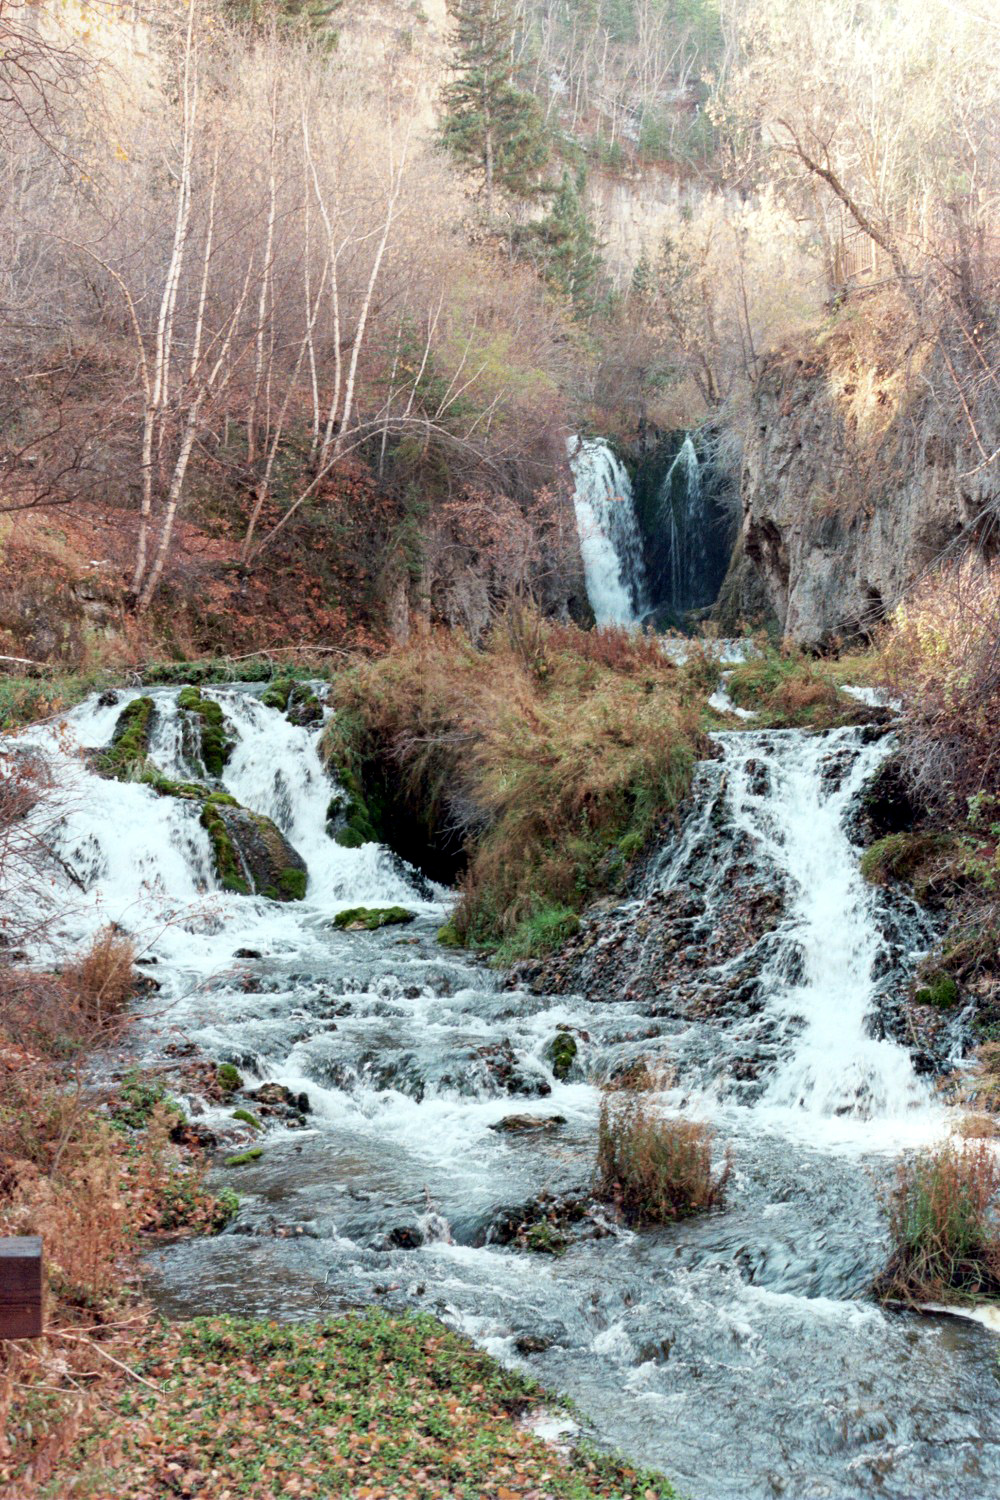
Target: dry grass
pixel 101 982
pixel 941 657
pixel 652 1168
pixel 943 1227
pixel 550 757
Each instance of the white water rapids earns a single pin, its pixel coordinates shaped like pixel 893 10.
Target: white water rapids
pixel 738 1352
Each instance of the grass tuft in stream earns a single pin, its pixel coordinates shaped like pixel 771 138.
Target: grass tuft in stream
pixel 943 1228
pixel 655 1169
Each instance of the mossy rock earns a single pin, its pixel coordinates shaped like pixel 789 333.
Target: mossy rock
pixel 244 1158
pixel 370 918
pixel 561 1053
pixel 544 1238
pixel 229 1078
pixel 216 742
pixel 246 1118
pixel 278 694
pixel 252 856
pixel 125 758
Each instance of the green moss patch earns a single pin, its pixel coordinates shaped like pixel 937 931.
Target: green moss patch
pixel 244 1158
pixel 371 918
pixel 941 991
pixel 125 757
pixel 561 1053
pixel 365 1405
pixel 216 742
pixel 227 863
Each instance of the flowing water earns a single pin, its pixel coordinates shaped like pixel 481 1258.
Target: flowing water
pixel 738 1351
pixel 610 541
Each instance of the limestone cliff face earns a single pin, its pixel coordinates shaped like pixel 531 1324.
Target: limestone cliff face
pixel 851 487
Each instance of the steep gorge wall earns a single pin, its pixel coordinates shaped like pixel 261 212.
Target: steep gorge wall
pixel 852 486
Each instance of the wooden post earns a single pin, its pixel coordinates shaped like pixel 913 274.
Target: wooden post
pixel 21 1288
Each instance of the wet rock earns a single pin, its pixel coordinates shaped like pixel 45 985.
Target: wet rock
pixel 252 856
pixel 561 1053
pixel 248 953
pixel 532 1343
pixel 500 1068
pixel 371 918
pixel 404 1237
pixel 520 1124
pixel 108 699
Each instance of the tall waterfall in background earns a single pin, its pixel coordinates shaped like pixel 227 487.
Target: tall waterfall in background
pixel 610 540
pixel 684 523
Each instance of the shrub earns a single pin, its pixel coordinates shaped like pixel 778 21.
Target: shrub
pixel 101 981
pixel 943 1227
pixel 653 1168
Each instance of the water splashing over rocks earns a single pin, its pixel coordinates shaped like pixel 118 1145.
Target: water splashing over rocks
pixel 738 1352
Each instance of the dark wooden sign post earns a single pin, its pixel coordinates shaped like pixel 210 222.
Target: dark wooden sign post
pixel 21 1288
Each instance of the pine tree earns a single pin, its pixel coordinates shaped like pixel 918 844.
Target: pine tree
pixel 564 247
pixel 491 124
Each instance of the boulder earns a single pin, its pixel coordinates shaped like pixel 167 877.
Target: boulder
pixel 519 1124
pixel 252 855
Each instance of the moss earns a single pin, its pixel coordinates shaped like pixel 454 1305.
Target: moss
pixel 246 1118
pixel 125 758
pixel 941 991
pixel 244 1158
pixel 229 1078
pixel 904 856
pixel 350 838
pixel 292 884
pixel 227 1207
pixel 278 694
pixel 545 1239
pixel 217 744
pixel 370 918
pixel 561 1053
pixel 449 936
pixel 227 862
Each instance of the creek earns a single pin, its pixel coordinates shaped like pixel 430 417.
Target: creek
pixel 740 1352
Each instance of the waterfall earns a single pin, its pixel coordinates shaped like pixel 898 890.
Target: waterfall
pixel 610 541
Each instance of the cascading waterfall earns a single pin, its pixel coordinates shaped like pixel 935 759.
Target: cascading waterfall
pixel 738 1351
pixel 680 512
pixel 610 542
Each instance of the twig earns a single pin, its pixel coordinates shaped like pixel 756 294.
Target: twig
pixel 78 1339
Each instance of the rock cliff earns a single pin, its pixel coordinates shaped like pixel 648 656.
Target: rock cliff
pixel 852 485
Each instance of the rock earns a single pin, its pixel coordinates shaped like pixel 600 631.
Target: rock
pixel 108 698
pixel 519 1124
pixel 830 570
pixel 371 918
pixel 248 953
pixel 561 1052
pixel 405 1237
pixel 214 740
pixel 252 856
pixel 531 1343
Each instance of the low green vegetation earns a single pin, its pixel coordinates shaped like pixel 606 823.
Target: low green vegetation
pixel 914 857
pixel 942 991
pixel 125 758
pixel 138 1095
pixel 942 1226
pixel 246 1118
pixel 653 1168
pixel 531 771
pixel 371 918
pixel 790 690
pixel 366 1405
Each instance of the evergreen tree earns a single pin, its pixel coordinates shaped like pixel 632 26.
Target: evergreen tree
pixel 308 17
pixel 491 124
pixel 564 246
